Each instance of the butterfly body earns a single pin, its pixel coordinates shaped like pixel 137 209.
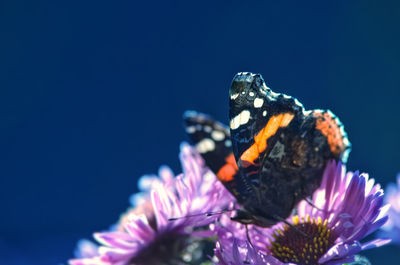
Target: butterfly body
pixel 280 150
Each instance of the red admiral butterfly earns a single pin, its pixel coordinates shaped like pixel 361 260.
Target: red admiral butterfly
pixel 275 152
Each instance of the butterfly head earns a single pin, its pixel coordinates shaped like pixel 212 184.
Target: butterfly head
pixel 247 89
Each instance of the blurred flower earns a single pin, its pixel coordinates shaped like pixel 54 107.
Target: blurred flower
pixel 239 254
pixel 86 249
pixel 346 208
pixel 165 175
pixel 141 201
pixel 392 228
pixel 148 236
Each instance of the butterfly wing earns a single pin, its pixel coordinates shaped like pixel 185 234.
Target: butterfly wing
pixel 258 117
pixel 275 152
pixel 212 140
pixel 329 125
pixel 281 148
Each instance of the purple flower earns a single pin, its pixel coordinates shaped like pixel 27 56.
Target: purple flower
pixel 392 228
pixel 145 183
pixel 239 254
pixel 141 201
pixel 86 249
pixel 346 208
pixel 148 236
pixel 234 251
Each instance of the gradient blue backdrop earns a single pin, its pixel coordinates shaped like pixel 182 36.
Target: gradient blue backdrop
pixel 92 95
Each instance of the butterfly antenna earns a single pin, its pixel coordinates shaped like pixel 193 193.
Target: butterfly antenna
pixel 207 214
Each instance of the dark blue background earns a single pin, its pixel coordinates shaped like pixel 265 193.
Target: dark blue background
pixel 92 94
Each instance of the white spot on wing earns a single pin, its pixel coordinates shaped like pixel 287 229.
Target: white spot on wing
pixel 218 135
pixel 298 103
pixel 190 129
pixel 251 94
pixel 240 119
pixel 207 129
pixel 258 102
pixel 205 145
pixel 275 95
pixel 228 143
pixel 264 113
pixel 234 96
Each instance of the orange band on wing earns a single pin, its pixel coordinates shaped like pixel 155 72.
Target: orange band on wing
pixel 229 170
pixel 260 140
pixel 331 129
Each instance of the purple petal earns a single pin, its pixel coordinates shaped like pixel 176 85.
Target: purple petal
pixel 375 243
pixel 340 261
pixel 140 229
pixel 86 249
pixel 115 255
pixel 375 226
pixel 88 261
pixel 158 205
pixel 114 239
pixel 340 251
pixel 235 250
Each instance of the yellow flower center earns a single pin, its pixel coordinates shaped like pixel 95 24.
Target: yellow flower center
pixel 303 243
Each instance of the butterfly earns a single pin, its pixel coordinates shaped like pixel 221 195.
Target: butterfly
pixel 273 153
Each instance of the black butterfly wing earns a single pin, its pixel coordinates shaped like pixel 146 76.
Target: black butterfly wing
pixel 212 140
pixel 258 118
pixel 281 148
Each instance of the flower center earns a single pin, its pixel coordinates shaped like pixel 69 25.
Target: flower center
pixel 303 243
pixel 164 250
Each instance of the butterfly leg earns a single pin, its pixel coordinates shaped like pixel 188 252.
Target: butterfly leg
pixel 308 200
pixel 247 234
